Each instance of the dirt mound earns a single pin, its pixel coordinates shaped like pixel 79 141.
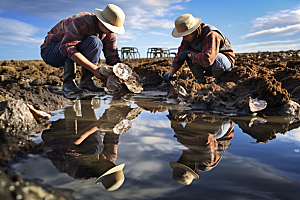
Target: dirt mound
pixel 271 76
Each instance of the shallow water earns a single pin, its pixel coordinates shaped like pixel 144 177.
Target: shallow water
pixel 231 164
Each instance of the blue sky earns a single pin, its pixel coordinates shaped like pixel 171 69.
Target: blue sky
pixel 251 26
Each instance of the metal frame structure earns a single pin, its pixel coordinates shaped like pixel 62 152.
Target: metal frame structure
pixel 129 52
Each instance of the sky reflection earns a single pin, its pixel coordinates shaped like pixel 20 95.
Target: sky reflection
pixel 246 170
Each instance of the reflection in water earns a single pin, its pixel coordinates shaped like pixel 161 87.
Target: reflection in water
pixel 205 138
pixel 193 143
pixel 75 143
pixel 265 128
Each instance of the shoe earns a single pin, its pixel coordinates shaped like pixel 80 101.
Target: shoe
pixel 198 74
pixel 217 74
pixel 86 81
pixel 69 84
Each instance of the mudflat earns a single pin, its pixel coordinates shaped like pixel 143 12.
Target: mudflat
pixel 273 77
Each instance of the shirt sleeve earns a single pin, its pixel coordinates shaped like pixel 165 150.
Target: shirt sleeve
pixel 73 34
pixel 110 49
pixel 211 45
pixel 183 46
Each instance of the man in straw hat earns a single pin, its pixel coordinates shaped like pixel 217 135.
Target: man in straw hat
pixel 80 39
pixel 205 142
pixel 204 48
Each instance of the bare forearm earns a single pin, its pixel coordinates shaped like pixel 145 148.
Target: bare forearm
pixel 84 62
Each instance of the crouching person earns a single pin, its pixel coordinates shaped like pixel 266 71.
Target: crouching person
pixel 203 47
pixel 80 39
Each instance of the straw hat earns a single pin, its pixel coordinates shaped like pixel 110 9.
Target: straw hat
pixel 112 18
pixel 182 173
pixel 185 24
pixel 113 178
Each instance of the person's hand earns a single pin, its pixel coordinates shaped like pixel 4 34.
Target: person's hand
pixel 184 55
pixel 98 75
pixel 136 75
pixel 167 77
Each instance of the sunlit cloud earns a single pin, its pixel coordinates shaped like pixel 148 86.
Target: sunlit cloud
pixel 282 23
pixel 267 46
pixel 141 15
pixel 288 30
pixel 15 32
pixel 158 33
pixel 280 19
pixel 292 136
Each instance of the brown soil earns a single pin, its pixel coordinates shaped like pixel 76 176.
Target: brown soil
pixel 271 76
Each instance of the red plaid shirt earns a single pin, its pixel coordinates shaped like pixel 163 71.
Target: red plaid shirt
pixel 74 29
pixel 211 45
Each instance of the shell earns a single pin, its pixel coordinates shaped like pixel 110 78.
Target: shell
pixel 257 120
pixel 38 114
pixel 182 91
pixel 122 127
pixel 257 105
pixel 105 70
pixel 134 113
pixel 113 84
pixel 133 85
pixel 122 71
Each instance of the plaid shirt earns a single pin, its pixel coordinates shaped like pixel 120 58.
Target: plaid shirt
pixel 74 29
pixel 203 148
pixel 211 45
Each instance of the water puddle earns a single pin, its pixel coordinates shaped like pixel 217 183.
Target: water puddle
pixel 145 148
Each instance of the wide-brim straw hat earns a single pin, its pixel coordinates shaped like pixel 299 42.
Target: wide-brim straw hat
pixel 185 25
pixel 182 173
pixel 112 18
pixel 113 178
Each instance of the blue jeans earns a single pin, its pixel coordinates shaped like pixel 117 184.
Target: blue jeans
pixel 89 47
pixel 221 63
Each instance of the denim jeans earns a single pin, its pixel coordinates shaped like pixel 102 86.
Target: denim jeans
pixel 221 63
pixel 89 47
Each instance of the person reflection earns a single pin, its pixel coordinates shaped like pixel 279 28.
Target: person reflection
pixel 206 140
pixel 76 147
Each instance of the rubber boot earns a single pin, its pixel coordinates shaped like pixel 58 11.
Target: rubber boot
pixel 69 84
pixel 87 82
pixel 217 74
pixel 198 74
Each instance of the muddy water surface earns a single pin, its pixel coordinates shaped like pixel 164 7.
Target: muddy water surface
pixel 249 157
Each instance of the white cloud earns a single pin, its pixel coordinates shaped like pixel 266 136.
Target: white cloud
pixel 292 136
pixel 268 46
pixel 143 15
pixel 15 32
pixel 282 23
pixel 158 33
pixel 128 35
pixel 288 30
pixel 280 19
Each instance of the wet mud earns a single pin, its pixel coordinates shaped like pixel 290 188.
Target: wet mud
pixel 270 76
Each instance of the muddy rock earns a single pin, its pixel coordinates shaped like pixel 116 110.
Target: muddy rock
pixel 15 117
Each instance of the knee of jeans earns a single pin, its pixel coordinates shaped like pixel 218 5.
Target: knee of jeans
pixel 221 63
pixel 189 62
pixel 217 65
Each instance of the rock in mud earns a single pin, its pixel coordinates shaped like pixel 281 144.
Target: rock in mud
pixel 15 117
